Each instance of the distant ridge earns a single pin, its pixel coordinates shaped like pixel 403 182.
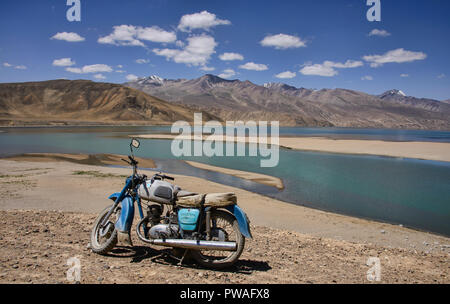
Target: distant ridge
pixel 244 100
pixel 81 101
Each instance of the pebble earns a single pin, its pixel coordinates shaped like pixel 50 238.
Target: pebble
pixel 382 231
pixel 99 279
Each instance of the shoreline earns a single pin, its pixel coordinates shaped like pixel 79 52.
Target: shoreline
pixel 435 151
pixel 247 175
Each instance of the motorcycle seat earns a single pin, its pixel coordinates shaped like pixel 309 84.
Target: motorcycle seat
pixel 210 200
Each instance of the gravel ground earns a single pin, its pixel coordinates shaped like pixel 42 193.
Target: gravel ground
pixel 36 245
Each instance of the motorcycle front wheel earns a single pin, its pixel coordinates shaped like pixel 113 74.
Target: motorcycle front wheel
pixel 103 240
pixel 224 228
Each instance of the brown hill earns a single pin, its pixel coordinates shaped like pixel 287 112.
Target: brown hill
pixel 83 101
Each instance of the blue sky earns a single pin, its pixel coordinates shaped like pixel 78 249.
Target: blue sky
pixel 316 44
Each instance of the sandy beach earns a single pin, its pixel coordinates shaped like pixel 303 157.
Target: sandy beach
pixel 291 241
pixel 419 150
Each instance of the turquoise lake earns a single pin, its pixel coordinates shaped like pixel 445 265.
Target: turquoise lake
pixel 414 193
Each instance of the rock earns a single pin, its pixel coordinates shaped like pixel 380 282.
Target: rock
pixel 100 279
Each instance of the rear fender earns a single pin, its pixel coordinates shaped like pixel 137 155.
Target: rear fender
pixel 241 217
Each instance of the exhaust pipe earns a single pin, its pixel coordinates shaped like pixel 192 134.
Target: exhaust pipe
pixel 194 244
pixel 188 244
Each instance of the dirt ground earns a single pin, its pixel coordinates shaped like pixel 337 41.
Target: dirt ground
pixel 36 245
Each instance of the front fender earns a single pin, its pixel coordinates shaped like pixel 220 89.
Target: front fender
pixel 125 220
pixel 241 217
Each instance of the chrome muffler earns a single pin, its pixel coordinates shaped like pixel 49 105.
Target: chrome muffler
pixel 195 244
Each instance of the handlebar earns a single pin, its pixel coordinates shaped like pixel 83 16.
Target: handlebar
pixel 163 176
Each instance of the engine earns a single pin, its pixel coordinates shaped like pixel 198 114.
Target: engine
pixel 164 231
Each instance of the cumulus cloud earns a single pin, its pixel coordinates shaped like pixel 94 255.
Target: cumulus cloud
pixel 99 76
pixel 328 68
pixel 17 67
pixel 286 75
pixel 94 68
pixel 381 33
pixel 404 75
pixel 254 66
pixel 231 56
pixel 203 20
pixel 197 52
pixel 130 35
pixel 207 69
pixel 131 77
pixel 397 56
pixel 69 37
pixel 283 41
pixel 63 62
pixel 228 73
pixel 367 77
pixel 142 61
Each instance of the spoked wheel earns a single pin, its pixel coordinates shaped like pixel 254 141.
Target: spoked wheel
pixel 224 228
pixel 104 239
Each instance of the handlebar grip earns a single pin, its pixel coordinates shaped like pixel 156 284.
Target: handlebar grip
pixel 169 177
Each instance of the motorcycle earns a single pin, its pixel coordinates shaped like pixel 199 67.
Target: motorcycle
pixel 211 227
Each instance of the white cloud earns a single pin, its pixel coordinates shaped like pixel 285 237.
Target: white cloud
pixel 319 70
pixel 398 56
pixel 228 73
pixel 207 69
pixel 283 41
pixel 120 71
pixel 197 52
pixel 328 68
pixel 5 64
pixel 441 76
pixel 20 67
pixel 254 66
pixel 404 75
pixel 99 76
pixel 120 66
pixel 203 20
pixel 142 61
pixel 381 33
pixel 367 77
pixel 63 62
pixel 131 77
pixel 94 68
pixel 286 75
pixel 231 56
pixel 69 37
pixel 130 35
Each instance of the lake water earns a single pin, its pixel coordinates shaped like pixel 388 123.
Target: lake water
pixel 415 193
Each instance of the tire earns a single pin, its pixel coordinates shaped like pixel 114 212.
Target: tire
pixel 111 240
pixel 220 263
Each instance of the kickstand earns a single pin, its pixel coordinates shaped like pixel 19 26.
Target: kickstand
pixel 182 258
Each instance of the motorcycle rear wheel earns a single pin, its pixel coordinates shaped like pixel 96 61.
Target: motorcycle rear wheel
pixel 104 244
pixel 226 226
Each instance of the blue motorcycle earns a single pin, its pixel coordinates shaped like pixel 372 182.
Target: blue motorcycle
pixel 211 227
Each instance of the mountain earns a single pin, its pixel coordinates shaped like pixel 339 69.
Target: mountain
pixel 421 103
pixel 244 100
pixel 85 101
